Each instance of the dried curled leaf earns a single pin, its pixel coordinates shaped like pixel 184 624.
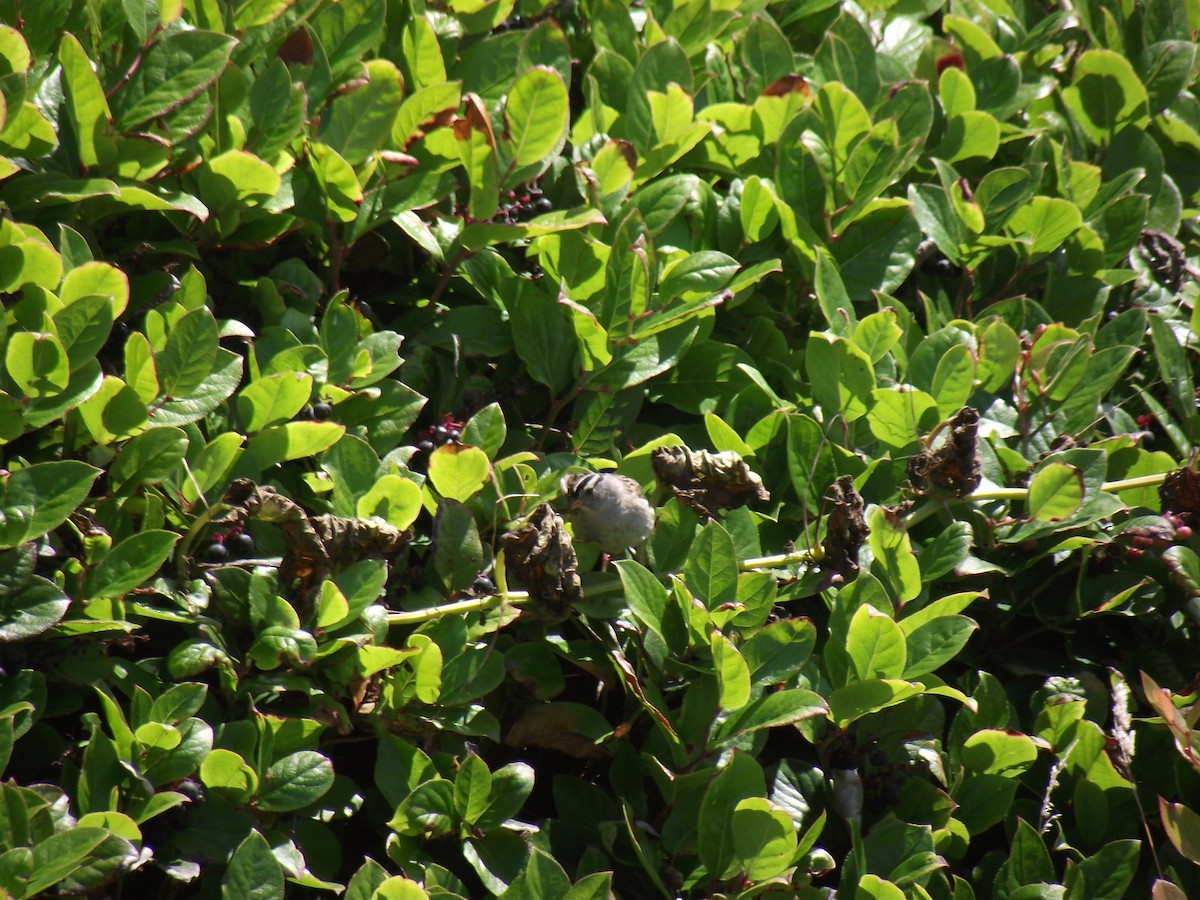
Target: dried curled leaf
pixel 1180 495
pixel 845 528
pixel 315 546
pixel 706 482
pixel 954 466
pixel 541 556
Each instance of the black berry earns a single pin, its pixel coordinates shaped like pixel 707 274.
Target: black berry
pixel 216 552
pixel 240 545
pixel 544 204
pixel 322 411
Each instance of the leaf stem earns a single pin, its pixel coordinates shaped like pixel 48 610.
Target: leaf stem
pixel 1112 487
pixel 519 598
pixel 478 604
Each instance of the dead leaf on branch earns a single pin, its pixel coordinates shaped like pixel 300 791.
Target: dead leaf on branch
pixel 953 466
pixel 1180 495
pixel 707 482
pixel 541 556
pixel 314 546
pixel 845 528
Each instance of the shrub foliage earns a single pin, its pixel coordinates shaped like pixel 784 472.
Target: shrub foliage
pixel 310 305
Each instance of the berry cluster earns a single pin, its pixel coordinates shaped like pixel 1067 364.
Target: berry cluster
pixel 520 206
pixel 448 431
pixel 235 544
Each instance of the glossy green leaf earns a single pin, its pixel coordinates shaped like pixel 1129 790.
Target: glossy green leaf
pixel 149 458
pixel 711 569
pixel 254 873
pixel 295 781
pixel 733 675
pixel 1105 94
pixel 39 498
pixel 1055 492
pixel 457 472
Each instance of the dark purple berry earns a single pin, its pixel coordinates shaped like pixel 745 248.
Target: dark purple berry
pixel 453 434
pixel 216 552
pixel 322 411
pixel 241 545
pixel 425 446
pixel 544 204
pixel 483 586
pixel 305 414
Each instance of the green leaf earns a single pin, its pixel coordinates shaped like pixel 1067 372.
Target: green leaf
pixel 34 609
pixel 427 809
pixel 393 498
pixel 544 337
pixel 175 69
pixel 1044 223
pixel 877 334
pixel 295 781
pixel 254 873
pixel 841 375
pixel 90 116
pixel 1056 492
pixel 360 122
pixel 190 354
pixel 953 380
pixel 458 552
pixel 935 643
pixel 972 135
pixel 273 400
pixel 645 594
pixel 944 552
pixel 993 752
pixel 511 786
pixel 733 675
pixel 60 855
pixel 457 472
pixel 1108 872
pixel 1029 862
pixel 226 771
pixel 476 144
pixel 149 458
pixel 845 120
pixel 130 563
pixel 420 110
pixel 1105 94
pixel 277 109
pixel 83 327
pixel 764 838
pixel 1174 366
pixel 852 702
pixel 773 710
pixel 38 363
pixel 875 645
pixel 759 216
pixel 740 778
pixel 831 294
pixel 293 440
pixel 39 498
pixel 810 460
pixel 472 789
pixel 486 430
pixel 236 179
pixel 711 570
pixel 895 563
pixel 536 116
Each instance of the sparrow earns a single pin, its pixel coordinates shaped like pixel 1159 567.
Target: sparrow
pixel 607 509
